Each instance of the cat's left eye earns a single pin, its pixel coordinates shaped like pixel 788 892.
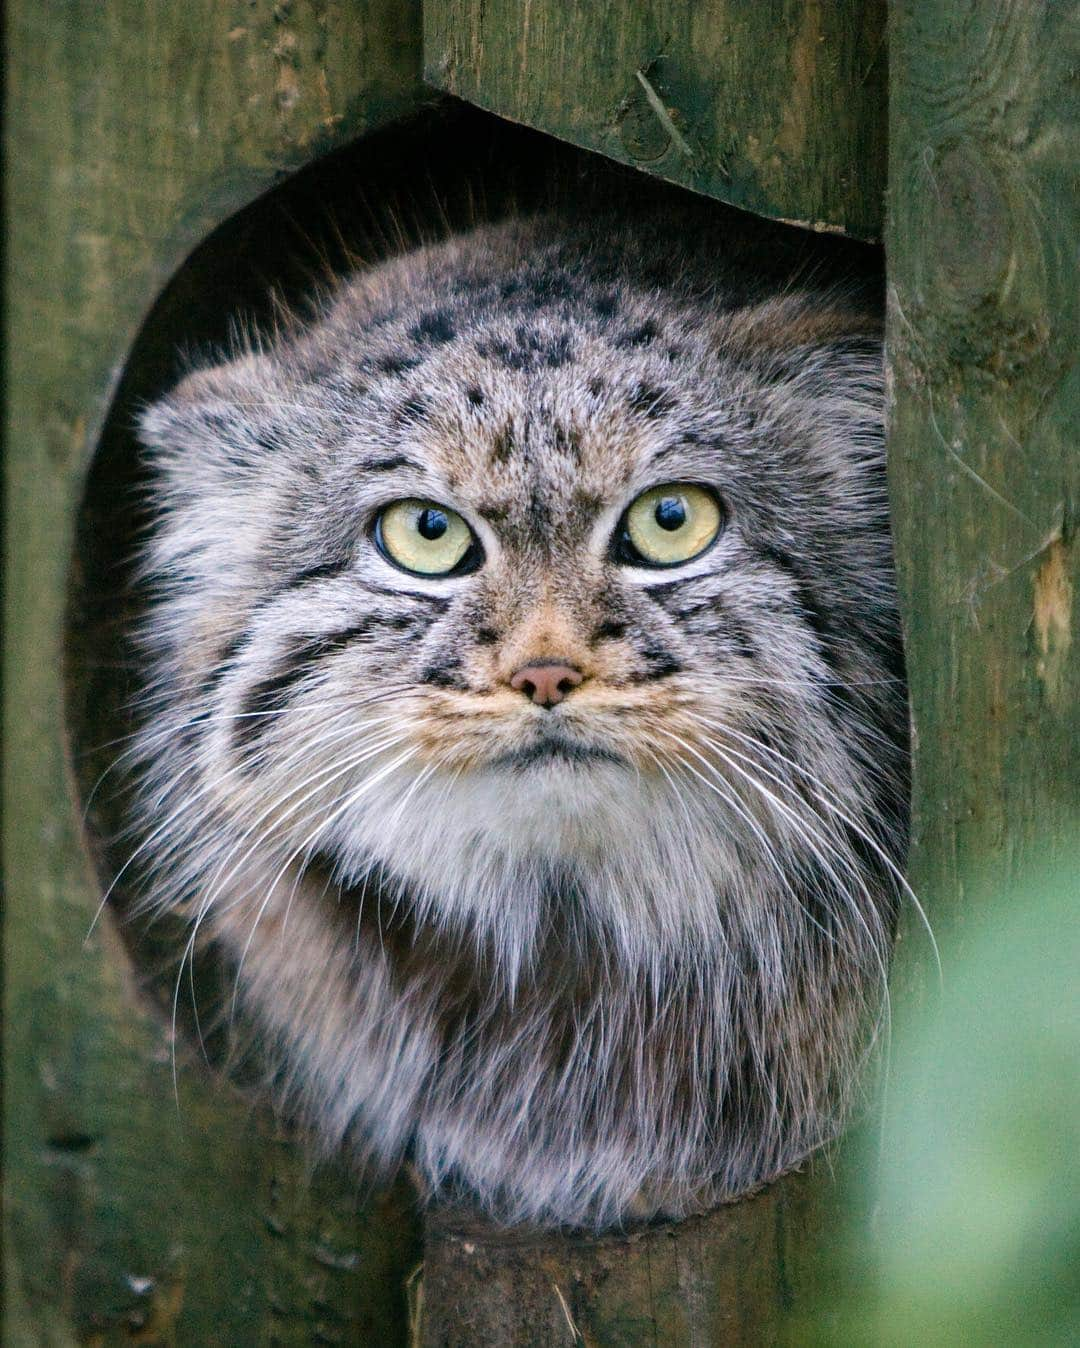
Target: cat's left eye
pixel 668 525
pixel 426 538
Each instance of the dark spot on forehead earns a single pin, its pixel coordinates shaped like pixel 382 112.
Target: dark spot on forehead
pixel 650 401
pixel 503 444
pixel 435 327
pixel 412 410
pixel 485 636
pixel 529 350
pixel 568 442
pixel 475 396
pixel 396 364
pixel 606 305
pixel 596 387
pixel 497 350
pixel 639 336
pixel 537 289
pixel 558 351
pixel 550 288
pixel 538 514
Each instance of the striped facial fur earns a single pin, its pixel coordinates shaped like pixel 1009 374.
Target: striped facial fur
pixel 524 719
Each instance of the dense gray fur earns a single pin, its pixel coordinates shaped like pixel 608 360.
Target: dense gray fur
pixel 574 986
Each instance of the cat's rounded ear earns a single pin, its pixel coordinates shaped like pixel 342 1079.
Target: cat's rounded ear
pixel 819 356
pixel 213 419
pixel 786 327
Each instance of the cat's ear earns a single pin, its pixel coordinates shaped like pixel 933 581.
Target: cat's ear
pixel 819 356
pixel 819 344
pixel 788 326
pixel 212 421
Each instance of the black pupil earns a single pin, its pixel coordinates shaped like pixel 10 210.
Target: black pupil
pixel 432 524
pixel 670 513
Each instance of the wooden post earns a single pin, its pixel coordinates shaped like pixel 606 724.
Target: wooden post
pixel 736 1276
pixel 133 129
pixel 984 427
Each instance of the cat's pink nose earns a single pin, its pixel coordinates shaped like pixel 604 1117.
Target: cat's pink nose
pixel 546 682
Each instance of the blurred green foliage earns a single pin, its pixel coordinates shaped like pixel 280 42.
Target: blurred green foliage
pixel 974 1189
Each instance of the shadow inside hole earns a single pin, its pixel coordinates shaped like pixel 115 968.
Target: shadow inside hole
pixel 448 169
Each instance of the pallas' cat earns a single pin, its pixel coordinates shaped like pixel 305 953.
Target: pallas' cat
pixel 524 720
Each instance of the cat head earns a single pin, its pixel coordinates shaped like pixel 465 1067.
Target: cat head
pixel 527 567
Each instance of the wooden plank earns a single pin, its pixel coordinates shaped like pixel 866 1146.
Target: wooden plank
pixel 134 128
pixel 739 1275
pixel 983 334
pixel 777 106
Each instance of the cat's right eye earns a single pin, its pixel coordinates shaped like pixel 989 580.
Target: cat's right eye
pixel 426 538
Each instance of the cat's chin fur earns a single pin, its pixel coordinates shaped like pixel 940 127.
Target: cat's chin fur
pixel 480 854
pixel 539 996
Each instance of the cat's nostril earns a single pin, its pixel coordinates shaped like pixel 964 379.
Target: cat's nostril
pixel 547 682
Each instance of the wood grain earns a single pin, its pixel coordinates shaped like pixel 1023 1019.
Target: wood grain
pixel 777 106
pixel 984 423
pixel 736 1276
pixel 134 127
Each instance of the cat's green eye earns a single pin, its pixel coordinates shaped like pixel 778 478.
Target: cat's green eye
pixel 425 538
pixel 670 524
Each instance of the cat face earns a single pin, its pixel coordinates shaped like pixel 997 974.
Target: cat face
pixel 369 711
pixel 534 566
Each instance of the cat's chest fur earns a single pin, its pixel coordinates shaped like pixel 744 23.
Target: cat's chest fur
pixel 529 617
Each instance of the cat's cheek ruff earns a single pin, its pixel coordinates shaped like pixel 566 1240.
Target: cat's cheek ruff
pixel 370 1062
pixel 368 1059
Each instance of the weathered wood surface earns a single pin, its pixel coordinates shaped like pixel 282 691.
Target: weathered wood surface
pixel 777 106
pixel 742 1275
pixel 984 435
pixel 134 127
